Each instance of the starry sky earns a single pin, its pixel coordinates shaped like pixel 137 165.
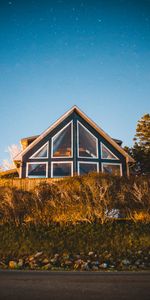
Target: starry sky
pixel 55 54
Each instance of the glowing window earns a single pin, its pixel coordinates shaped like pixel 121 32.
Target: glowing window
pixel 106 153
pixel 41 153
pixel 87 143
pixel 62 142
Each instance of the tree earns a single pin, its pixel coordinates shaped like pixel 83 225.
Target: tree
pixel 142 135
pixel 141 148
pixel 12 151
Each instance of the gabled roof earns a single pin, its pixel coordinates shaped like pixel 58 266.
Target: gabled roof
pixel 87 119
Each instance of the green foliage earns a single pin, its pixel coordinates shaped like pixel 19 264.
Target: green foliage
pixel 141 148
pixel 143 132
pixel 117 238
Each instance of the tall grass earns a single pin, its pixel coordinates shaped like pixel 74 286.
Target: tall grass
pixel 90 198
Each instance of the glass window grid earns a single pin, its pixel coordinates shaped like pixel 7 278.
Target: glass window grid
pixel 95 160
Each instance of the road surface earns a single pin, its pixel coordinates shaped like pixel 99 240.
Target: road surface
pixel 26 285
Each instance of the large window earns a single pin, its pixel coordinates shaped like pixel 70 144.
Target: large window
pixel 62 145
pixel 112 169
pixel 41 153
pixel 87 143
pixel 87 167
pixel 61 169
pixel 106 153
pixel 39 170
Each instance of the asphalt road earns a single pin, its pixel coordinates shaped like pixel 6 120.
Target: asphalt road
pixel 24 285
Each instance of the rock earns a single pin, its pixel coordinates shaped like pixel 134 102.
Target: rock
pixel 126 262
pixel 31 258
pixel 91 253
pixel 95 268
pixel 68 263
pixel 38 254
pixel 95 263
pixel 2 265
pixel 137 262
pixel 20 263
pixel 12 264
pixel 47 267
pixel 85 266
pixel 45 261
pixel 104 265
pixel 78 264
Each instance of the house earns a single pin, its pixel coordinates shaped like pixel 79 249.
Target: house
pixel 74 144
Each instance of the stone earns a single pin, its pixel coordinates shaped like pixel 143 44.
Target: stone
pixel 12 264
pixel 31 258
pixel 85 266
pixel 38 254
pixel 95 268
pixel 125 262
pixel 103 266
pixel 67 262
pixel 78 264
pixel 45 261
pixel 95 263
pixel 137 262
pixel 20 263
pixel 91 253
pixel 47 267
pixel 2 265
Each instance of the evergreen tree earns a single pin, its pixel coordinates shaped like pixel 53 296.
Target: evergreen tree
pixel 142 135
pixel 141 148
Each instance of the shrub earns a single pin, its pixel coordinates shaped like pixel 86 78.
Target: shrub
pixel 91 198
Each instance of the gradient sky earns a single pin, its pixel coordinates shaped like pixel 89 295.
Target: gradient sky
pixel 54 54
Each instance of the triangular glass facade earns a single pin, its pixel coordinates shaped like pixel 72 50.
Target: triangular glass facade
pixel 87 143
pixel 106 153
pixel 41 153
pixel 62 142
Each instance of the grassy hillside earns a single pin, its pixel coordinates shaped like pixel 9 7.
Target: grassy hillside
pixel 71 224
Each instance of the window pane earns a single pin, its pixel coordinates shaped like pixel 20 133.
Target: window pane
pixel 87 143
pixel 111 169
pixel 85 168
pixel 62 143
pixel 61 169
pixel 41 153
pixel 106 153
pixel 37 170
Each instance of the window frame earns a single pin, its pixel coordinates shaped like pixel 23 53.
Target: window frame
pixel 86 157
pixel 61 162
pixel 116 164
pixel 32 156
pixel 87 162
pixel 102 144
pixel 36 163
pixel 55 157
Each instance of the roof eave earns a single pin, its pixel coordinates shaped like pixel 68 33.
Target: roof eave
pixel 84 116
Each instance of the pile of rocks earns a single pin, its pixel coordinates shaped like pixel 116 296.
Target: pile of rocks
pixel 80 262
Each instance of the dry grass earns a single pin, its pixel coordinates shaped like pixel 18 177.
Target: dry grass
pixel 89 198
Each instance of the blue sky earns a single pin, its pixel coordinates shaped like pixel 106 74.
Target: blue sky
pixel 54 54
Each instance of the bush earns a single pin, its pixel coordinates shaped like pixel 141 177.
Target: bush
pixel 91 198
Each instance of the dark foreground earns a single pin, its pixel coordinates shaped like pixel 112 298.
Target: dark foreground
pixel 19 285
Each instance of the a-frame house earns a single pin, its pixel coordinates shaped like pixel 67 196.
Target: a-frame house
pixel 74 144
